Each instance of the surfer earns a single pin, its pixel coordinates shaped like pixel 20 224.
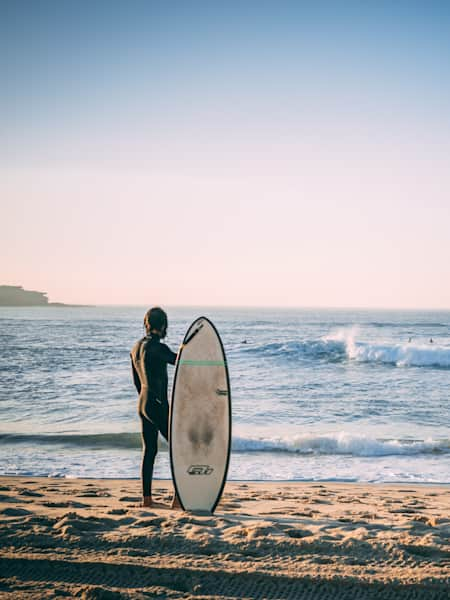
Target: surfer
pixel 149 360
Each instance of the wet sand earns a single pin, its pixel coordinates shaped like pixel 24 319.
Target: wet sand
pixel 91 539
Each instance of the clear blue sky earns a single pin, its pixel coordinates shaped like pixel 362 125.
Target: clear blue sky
pixel 262 153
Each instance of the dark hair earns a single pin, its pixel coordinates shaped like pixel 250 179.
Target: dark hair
pixel 155 318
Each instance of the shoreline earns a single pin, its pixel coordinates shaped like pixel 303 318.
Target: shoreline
pixel 90 538
pixel 258 482
pixel 262 482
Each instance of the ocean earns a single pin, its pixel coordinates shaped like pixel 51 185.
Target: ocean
pixel 317 395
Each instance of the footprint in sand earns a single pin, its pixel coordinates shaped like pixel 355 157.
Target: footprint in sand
pixel 15 512
pixel 94 494
pixel 75 523
pixel 70 504
pixel 13 499
pixel 130 499
pixel 368 515
pixel 297 533
pixel 30 493
pixel 402 511
pixel 303 513
pixel 206 522
pixel 418 520
pixel 230 505
pixel 423 551
pixel 152 522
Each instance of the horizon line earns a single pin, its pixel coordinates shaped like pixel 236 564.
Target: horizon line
pixel 257 307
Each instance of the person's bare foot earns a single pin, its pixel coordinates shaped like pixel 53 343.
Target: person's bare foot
pixel 148 502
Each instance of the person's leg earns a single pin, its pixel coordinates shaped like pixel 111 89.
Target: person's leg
pixel 149 450
pixel 163 426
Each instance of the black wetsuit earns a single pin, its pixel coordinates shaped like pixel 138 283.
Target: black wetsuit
pixel 149 360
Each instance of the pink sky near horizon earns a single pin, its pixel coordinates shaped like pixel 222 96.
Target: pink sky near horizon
pixel 354 234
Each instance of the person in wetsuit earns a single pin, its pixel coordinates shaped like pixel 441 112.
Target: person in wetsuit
pixel 149 360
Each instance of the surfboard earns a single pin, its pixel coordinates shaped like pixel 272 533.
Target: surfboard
pixel 200 419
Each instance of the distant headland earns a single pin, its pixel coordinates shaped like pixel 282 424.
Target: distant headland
pixel 15 295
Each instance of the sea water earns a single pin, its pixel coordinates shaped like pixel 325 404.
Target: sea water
pixel 317 395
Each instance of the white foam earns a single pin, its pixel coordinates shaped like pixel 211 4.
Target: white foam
pixel 400 355
pixel 341 443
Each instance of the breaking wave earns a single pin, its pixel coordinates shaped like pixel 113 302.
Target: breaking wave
pixel 400 355
pixel 344 346
pixel 341 444
pixel 333 444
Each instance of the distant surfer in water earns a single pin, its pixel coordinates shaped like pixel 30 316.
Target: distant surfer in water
pixel 149 360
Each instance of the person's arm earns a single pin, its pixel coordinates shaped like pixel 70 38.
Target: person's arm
pixel 167 355
pixel 137 381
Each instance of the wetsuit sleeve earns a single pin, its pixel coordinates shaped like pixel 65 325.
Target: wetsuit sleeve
pixel 137 381
pixel 167 355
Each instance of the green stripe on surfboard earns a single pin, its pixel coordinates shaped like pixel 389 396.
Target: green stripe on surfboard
pixel 203 363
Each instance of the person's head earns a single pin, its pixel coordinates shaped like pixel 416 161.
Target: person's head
pixel 155 321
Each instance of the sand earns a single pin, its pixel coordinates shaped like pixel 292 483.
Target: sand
pixel 91 539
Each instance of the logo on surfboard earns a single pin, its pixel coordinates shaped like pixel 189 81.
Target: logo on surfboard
pixel 220 392
pixel 200 470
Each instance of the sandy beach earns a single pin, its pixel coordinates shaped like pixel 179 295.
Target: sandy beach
pixel 91 539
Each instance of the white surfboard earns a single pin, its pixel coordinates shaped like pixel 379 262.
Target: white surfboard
pixel 200 419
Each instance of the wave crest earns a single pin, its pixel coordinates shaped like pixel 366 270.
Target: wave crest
pixel 344 346
pixel 328 348
pixel 341 444
pixel 400 355
pixel 331 444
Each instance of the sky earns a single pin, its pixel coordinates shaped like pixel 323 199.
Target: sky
pixel 226 153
